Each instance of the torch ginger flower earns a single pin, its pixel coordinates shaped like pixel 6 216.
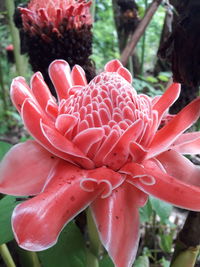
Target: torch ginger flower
pixel 56 29
pixel 42 14
pixel 99 145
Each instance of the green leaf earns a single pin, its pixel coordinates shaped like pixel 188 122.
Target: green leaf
pixel 4 147
pixel 163 78
pixel 69 250
pixel 142 261
pixel 151 79
pixel 166 242
pixel 162 209
pixel 106 262
pixel 164 262
pixel 7 204
pixel 146 212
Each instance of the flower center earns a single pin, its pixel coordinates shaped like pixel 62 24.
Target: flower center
pixel 99 116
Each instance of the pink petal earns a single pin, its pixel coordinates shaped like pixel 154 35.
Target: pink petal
pixel 176 126
pixel 19 91
pixel 180 167
pixel 65 122
pixel 125 74
pixel 110 141
pixel 85 139
pixel 168 188
pixel 137 152
pixel 78 76
pixel 120 151
pixel 104 178
pixel 40 90
pixel 188 143
pixel 167 99
pixel 117 221
pixel 38 222
pixel 30 110
pixel 25 169
pixel 59 71
pixel 64 145
pixel 113 65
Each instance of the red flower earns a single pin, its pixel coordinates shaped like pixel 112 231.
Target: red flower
pixel 100 145
pixel 44 14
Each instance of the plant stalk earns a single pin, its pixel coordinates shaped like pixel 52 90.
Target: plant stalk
pixel 10 6
pixel 3 89
pixel 6 256
pixel 188 242
pixel 95 243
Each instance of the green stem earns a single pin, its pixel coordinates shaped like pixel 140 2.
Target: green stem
pixel 95 243
pixel 15 37
pixel 92 261
pixel 143 45
pixel 93 9
pixel 6 256
pixel 186 258
pixel 28 258
pixel 3 89
pixel 188 242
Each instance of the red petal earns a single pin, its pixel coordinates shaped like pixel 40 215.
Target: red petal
pixel 32 117
pixel 188 143
pixel 40 90
pixel 104 178
pixel 64 145
pixel 19 91
pixel 113 65
pixel 25 169
pixel 176 126
pixel 59 71
pixel 85 139
pixel 119 153
pixel 180 167
pixel 125 74
pixel 65 123
pixel 38 221
pixel 117 221
pixel 78 76
pixel 137 152
pixel 169 188
pixel 110 140
pixel 167 99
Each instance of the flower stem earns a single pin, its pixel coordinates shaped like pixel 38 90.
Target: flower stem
pixel 188 242
pixel 3 89
pixel 92 261
pixel 95 243
pixel 6 256
pixel 29 258
pixel 15 37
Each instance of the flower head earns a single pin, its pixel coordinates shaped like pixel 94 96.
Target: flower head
pixel 55 16
pixel 101 145
pixel 56 29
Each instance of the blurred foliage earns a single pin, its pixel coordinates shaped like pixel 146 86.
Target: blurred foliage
pixel 155 215
pixel 105 46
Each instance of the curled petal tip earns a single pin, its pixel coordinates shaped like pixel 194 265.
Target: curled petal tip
pixel 19 92
pixel 60 74
pixel 113 65
pixel 125 74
